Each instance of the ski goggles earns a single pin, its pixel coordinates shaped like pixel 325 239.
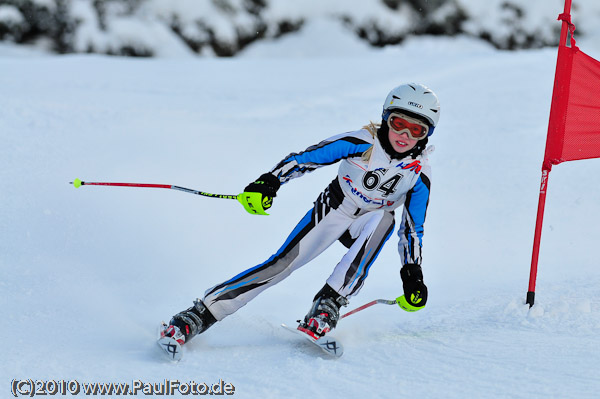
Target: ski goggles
pixel 400 123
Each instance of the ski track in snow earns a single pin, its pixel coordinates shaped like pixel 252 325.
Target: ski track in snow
pixel 88 274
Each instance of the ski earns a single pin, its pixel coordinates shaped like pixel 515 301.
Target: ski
pixel 170 348
pixel 329 345
pixel 173 351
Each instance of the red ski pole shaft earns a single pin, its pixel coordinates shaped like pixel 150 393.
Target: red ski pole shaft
pixel 368 305
pixel 78 183
pixel 124 184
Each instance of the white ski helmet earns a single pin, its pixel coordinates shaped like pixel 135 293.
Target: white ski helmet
pixel 415 98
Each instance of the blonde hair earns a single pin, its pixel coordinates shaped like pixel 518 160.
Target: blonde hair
pixel 371 128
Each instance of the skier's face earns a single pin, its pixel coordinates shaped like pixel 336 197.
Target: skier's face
pixel 401 141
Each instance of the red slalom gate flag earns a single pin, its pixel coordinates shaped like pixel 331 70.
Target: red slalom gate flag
pixel 574 125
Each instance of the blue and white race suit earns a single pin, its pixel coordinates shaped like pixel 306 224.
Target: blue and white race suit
pixel 357 208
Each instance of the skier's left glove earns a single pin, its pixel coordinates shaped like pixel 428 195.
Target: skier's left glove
pixel 415 291
pixel 258 195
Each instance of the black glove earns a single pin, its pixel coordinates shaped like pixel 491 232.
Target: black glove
pixel 266 184
pixel 415 291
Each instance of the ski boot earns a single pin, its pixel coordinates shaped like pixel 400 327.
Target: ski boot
pixel 324 314
pixel 189 323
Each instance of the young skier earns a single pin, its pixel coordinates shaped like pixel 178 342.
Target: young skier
pixel 382 167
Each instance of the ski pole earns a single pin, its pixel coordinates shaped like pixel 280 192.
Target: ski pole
pixel 78 183
pixel 375 302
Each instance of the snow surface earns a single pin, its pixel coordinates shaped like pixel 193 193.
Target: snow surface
pixel 87 274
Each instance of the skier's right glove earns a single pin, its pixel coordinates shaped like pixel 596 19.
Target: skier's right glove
pixel 258 195
pixel 415 291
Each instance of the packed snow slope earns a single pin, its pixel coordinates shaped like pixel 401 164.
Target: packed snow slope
pixel 87 274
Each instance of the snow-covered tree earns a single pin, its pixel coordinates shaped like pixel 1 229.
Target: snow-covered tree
pixel 225 27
